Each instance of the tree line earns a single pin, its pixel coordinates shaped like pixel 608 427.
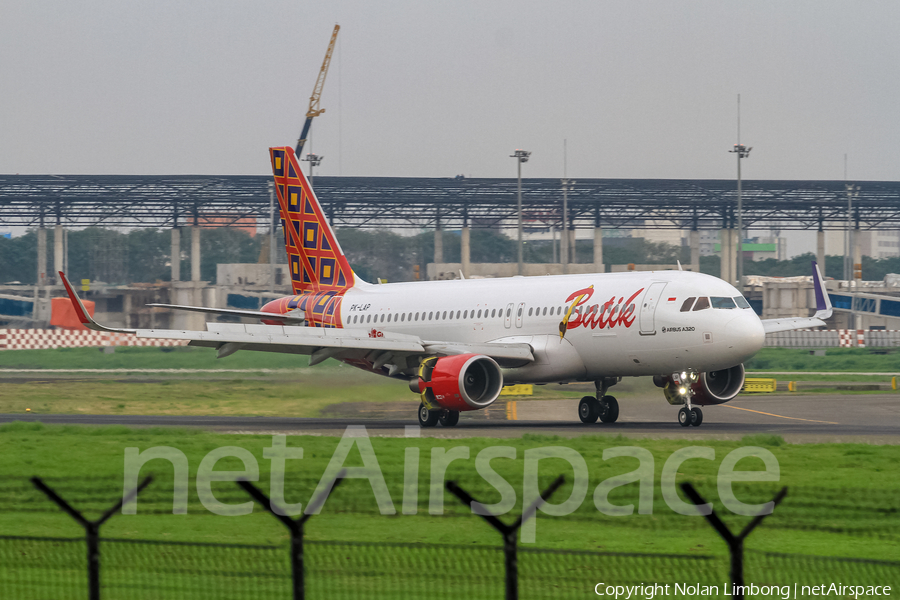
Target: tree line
pixel 143 255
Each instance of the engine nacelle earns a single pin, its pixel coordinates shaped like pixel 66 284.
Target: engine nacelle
pixel 461 382
pixel 713 387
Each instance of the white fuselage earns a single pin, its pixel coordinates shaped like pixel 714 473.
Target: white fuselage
pixel 607 336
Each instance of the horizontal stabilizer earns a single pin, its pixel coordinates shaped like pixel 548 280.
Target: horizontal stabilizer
pixel 292 318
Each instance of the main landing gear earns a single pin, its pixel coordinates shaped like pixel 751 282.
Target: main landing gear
pixel 603 406
pixel 430 418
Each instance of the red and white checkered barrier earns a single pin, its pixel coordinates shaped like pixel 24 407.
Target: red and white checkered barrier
pixel 42 339
pixel 852 338
pixel 834 338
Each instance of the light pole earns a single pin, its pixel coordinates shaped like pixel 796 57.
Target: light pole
pixel 850 257
pixel 742 152
pixel 313 160
pixel 564 239
pixel 521 156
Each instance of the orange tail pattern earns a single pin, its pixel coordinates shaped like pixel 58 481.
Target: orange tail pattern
pixel 320 273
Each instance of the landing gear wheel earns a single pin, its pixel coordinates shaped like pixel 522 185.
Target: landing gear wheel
pixel 609 409
pixel 588 410
pixel 449 418
pixel 428 418
pixel 684 417
pixel 696 416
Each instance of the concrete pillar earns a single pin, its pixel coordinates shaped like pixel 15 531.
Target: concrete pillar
pixel 573 258
pixel 438 245
pixel 127 321
pixel 820 250
pixel 195 253
pixel 695 250
pixel 726 243
pixel 42 256
pixel 465 251
pixel 598 250
pixel 58 253
pixel 176 254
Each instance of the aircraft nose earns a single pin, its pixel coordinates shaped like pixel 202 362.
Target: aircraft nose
pixel 745 334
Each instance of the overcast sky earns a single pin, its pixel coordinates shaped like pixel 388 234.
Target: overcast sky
pixel 640 89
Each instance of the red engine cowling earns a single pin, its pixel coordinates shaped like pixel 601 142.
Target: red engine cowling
pixel 713 387
pixel 461 382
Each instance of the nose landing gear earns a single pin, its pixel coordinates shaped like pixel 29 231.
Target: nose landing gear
pixel 690 416
pixel 679 391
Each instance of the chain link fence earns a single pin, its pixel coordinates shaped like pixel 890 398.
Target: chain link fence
pixel 36 568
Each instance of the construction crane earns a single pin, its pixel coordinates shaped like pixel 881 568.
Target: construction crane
pixel 314 110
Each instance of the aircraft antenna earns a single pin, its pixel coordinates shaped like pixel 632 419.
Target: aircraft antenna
pixel 314 110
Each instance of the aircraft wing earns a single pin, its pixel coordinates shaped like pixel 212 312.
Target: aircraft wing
pixel 319 343
pixel 823 309
pixel 776 325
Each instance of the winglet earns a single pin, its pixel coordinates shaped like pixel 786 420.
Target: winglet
pixel 82 312
pixel 823 302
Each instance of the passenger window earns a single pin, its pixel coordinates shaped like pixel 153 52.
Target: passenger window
pixel 702 302
pixel 545 311
pixel 466 315
pixel 417 316
pixel 369 319
pixel 493 312
pixel 519 312
pixel 722 302
pixel 688 304
pixel 508 312
pixel 382 318
pixel 479 313
pixel 402 316
pixel 430 316
pixel 457 314
pixel 530 311
pixel 741 302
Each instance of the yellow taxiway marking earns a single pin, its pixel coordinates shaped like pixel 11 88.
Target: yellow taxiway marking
pixel 511 413
pixel 759 412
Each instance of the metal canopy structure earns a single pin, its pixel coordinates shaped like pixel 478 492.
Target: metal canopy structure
pixel 419 203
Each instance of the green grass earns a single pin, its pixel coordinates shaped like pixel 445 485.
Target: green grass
pixel 835 359
pixel 136 357
pixel 843 498
pixel 306 395
pixel 184 357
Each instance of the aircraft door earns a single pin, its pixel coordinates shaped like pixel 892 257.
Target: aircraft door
pixel 648 307
pixel 520 312
pixel 509 310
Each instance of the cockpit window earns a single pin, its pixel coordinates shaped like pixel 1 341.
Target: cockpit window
pixel 702 302
pixel 741 302
pixel 722 302
pixel 688 304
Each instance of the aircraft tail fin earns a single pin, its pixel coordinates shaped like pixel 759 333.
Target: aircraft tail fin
pixel 317 262
pixel 823 301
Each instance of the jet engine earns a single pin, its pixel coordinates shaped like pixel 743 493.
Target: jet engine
pixel 461 382
pixel 712 387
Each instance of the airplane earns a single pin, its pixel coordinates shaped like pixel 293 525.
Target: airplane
pixel 458 342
